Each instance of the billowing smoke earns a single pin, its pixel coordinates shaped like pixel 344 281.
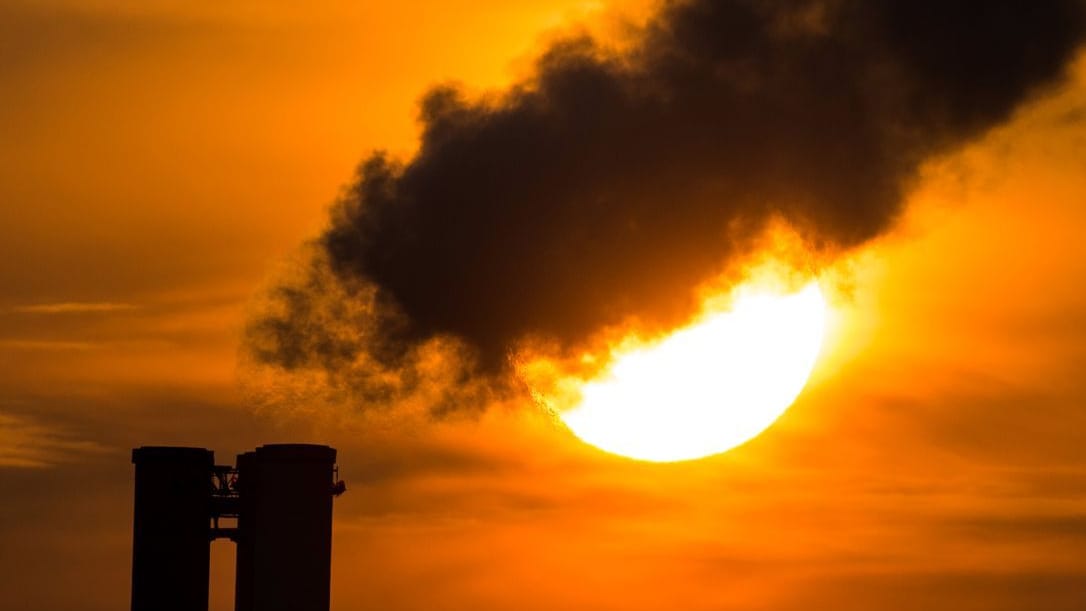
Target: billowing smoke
pixel 611 183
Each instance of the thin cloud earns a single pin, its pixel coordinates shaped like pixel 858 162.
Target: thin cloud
pixel 48 345
pixel 74 307
pixel 27 444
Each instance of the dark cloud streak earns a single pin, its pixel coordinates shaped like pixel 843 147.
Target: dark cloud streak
pixel 611 183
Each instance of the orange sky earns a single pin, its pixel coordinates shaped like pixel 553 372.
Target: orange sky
pixel 157 166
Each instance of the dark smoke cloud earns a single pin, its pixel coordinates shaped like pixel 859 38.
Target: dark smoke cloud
pixel 611 183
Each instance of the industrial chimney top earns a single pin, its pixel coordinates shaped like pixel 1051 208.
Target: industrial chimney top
pixel 277 508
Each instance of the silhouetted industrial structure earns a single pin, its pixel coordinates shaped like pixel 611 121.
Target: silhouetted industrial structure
pixel 281 499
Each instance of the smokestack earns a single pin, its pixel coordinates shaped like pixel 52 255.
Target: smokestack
pixel 285 528
pixel 170 544
pixel 281 496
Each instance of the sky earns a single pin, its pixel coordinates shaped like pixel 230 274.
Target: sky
pixel 164 165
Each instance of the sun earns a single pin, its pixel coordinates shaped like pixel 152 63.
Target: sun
pixel 708 387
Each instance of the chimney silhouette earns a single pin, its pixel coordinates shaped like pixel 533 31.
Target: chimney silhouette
pixel 170 542
pixel 280 495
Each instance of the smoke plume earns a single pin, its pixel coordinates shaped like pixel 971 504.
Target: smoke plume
pixel 610 183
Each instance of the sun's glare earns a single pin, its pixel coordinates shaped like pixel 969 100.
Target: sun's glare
pixel 708 387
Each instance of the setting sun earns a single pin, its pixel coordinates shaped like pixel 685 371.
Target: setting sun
pixel 709 387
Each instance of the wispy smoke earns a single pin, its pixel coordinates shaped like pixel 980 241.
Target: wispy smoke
pixel 611 183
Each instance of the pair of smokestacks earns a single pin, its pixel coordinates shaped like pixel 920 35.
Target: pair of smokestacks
pixel 281 497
